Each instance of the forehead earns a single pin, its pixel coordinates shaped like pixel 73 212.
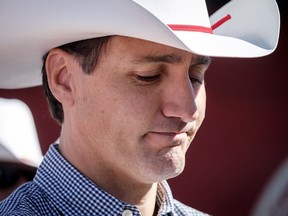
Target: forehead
pixel 141 51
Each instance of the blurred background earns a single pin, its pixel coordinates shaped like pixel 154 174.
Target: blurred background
pixel 242 140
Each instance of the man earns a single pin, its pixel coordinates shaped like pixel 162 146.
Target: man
pixel 125 79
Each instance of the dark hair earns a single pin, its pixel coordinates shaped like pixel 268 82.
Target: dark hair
pixel 87 52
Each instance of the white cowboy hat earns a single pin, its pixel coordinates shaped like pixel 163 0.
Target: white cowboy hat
pixel 18 137
pixel 29 29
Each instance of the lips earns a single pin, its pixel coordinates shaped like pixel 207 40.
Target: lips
pixel 171 134
pixel 166 139
pixel 188 130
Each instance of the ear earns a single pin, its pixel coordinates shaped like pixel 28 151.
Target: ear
pixel 59 76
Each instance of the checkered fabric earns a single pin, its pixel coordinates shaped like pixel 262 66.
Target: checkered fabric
pixel 59 189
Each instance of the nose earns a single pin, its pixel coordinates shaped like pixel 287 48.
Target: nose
pixel 179 101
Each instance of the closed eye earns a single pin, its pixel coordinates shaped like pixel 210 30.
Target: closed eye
pixel 194 80
pixel 148 79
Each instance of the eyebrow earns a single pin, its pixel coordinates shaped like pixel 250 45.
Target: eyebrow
pixel 204 60
pixel 171 59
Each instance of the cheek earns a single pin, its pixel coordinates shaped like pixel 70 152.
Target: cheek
pixel 139 105
pixel 93 111
pixel 113 114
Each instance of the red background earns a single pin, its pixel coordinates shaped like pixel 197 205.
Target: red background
pixel 243 138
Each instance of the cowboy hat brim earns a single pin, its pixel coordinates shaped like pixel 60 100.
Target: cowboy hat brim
pixel 18 136
pixel 35 27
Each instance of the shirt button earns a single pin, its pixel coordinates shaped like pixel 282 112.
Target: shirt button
pixel 127 213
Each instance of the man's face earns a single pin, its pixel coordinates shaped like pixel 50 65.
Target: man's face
pixel 138 112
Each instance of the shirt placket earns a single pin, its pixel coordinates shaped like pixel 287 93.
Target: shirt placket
pixel 130 210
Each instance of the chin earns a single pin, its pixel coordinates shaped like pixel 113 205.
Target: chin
pixel 165 165
pixel 177 172
pixel 173 169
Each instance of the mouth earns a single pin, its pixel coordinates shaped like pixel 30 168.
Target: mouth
pixel 186 132
pixel 170 134
pixel 171 138
pixel 168 139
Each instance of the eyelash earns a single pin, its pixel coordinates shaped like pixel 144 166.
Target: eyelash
pixel 151 79
pixel 196 70
pixel 148 79
pixel 195 80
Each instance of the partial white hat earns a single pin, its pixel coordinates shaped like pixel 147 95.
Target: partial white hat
pixel 18 137
pixel 7 156
pixel 29 29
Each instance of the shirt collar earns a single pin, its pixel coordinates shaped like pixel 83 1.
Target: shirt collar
pixel 67 188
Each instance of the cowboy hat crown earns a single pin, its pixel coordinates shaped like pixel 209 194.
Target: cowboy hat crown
pixel 29 29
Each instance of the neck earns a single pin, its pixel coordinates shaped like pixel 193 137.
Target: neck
pixel 143 196
pixel 148 206
pixel 116 183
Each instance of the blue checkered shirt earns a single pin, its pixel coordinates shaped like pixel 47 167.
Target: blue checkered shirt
pixel 59 189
